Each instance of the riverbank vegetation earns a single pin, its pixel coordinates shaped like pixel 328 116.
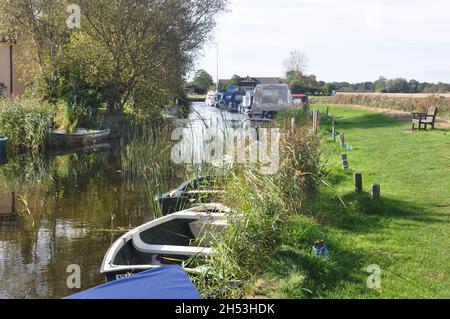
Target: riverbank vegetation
pixel 263 205
pixel 127 55
pixel 26 123
pixel 268 249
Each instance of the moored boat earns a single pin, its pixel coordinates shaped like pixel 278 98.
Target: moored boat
pixel 191 192
pixel 60 138
pixel 169 282
pixel 269 99
pixel 211 99
pixel 172 239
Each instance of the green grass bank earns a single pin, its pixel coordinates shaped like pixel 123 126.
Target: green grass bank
pixel 405 233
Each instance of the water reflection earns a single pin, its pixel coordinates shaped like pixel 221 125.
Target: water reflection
pixel 70 207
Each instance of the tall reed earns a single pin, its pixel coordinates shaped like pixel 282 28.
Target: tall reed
pixel 26 123
pixel 261 205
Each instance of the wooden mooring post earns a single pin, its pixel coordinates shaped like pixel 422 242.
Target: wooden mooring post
pixel 342 135
pixel 345 163
pixel 358 182
pixel 333 129
pixel 375 191
pixel 316 121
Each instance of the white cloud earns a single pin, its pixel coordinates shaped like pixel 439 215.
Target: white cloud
pixel 349 40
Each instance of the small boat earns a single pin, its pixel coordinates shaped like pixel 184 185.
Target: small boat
pixel 232 101
pixel 168 282
pixel 3 142
pixel 60 138
pixel 172 239
pixel 191 192
pixel 211 99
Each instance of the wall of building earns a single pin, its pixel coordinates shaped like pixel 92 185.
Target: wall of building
pixel 5 71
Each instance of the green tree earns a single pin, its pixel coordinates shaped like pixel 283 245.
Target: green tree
pixel 131 52
pixel 202 82
pixel 328 89
pixel 234 81
pixel 381 85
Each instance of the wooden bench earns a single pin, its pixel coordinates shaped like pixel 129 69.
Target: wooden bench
pixel 424 119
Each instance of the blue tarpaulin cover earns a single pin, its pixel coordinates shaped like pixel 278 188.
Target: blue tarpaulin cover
pixel 168 282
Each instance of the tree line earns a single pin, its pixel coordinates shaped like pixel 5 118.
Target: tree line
pixel 301 83
pixel 126 53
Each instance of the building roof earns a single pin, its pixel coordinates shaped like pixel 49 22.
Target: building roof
pixel 259 80
pixel 269 80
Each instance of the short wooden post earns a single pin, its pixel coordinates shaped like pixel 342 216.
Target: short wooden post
pixel 333 129
pixel 345 163
pixel 358 182
pixel 316 121
pixel 292 125
pixel 342 139
pixel 375 191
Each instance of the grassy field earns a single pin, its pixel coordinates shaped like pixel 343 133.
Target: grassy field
pixel 406 233
pixel 401 102
pixel 397 95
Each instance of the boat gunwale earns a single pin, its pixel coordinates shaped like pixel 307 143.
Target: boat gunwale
pixel 195 213
pixel 93 133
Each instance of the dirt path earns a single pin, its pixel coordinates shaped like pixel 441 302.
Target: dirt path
pixel 396 114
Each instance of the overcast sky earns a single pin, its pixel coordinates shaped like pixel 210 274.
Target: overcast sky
pixel 345 40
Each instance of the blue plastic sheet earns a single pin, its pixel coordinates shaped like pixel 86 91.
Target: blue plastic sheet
pixel 168 282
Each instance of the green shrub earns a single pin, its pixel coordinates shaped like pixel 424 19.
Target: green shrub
pixel 26 123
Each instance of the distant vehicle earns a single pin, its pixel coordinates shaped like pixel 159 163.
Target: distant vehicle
pixel 300 98
pixel 231 101
pixel 211 99
pixel 270 99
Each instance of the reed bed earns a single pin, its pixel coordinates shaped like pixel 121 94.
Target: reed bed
pixel 26 123
pixel 261 205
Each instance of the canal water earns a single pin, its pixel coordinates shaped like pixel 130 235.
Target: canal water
pixel 66 208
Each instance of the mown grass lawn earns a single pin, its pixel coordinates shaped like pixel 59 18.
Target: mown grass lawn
pixel 407 233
